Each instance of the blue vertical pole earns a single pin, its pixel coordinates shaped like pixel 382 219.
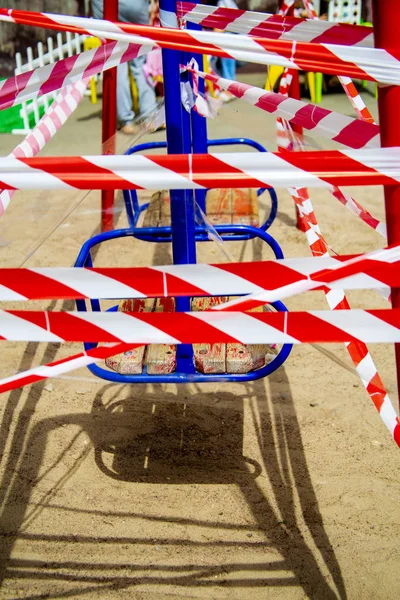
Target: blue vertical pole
pixel 199 123
pixel 178 142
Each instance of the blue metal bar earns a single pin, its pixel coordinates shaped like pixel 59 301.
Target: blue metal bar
pixel 187 373
pixel 166 231
pixel 199 123
pixel 182 209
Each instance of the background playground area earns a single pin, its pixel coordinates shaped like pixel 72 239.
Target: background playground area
pixel 286 487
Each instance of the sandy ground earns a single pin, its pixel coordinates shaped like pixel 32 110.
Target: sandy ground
pixel 283 488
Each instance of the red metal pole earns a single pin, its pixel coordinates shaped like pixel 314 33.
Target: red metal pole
pixel 386 19
pixel 109 122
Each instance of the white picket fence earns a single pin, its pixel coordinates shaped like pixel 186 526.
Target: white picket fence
pixel 56 50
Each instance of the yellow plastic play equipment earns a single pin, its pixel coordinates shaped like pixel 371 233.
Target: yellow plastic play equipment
pixel 88 44
pixel 94 42
pixel 314 82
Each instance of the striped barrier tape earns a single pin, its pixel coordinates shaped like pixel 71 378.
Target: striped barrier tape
pixel 275 26
pixel 287 138
pixel 213 326
pixel 220 170
pixel 350 89
pixel 268 280
pixel 63 106
pixel 374 326
pixel 78 67
pixel 357 267
pixel 64 365
pixel 357 350
pixel 372 64
pixel 332 125
pixel 363 113
pixel 356 100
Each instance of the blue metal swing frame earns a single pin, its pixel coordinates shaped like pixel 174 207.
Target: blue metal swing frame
pixel 186 133
pixel 134 209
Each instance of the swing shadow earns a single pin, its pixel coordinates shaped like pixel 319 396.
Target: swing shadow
pixel 185 443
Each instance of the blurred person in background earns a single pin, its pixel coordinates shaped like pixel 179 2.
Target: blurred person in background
pixel 130 11
pixel 224 67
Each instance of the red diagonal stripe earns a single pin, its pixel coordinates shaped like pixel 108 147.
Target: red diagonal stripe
pixel 146 280
pixel 336 168
pixel 357 134
pixel 36 286
pixel 274 27
pixel 79 172
pixel 309 116
pixel 268 275
pixel 221 18
pixel 302 326
pixel 180 287
pixel 211 172
pixel 376 391
pixel 391 317
pixel 65 326
pixel 270 102
pixel 185 328
pixel 343 34
pixel 61 69
pixel 11 385
pixel 13 86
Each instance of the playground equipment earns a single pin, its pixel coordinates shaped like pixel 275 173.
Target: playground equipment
pixel 188 167
pixel 184 132
pixel 31 112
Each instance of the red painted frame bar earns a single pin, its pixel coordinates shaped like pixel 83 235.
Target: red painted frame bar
pixel 386 19
pixel 109 122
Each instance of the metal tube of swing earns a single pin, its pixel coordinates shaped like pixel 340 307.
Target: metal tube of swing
pixel 386 17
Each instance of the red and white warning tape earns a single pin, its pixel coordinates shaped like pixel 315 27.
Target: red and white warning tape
pixel 62 107
pixel 350 89
pixel 358 350
pixel 59 367
pixel 374 326
pixel 282 169
pixel 357 269
pixel 332 125
pixel 269 280
pixel 275 26
pixel 361 63
pixel 78 67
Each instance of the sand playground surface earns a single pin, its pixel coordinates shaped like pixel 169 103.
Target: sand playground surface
pixel 286 488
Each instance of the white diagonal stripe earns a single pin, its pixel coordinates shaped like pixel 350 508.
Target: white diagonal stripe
pixel 18 329
pixel 244 328
pixel 309 265
pixel 9 294
pixel 359 281
pixel 388 414
pixel 126 328
pixel 89 283
pixel 212 280
pixel 304 32
pixel 18 174
pixel 378 63
pixel 361 325
pixel 386 161
pixel 271 169
pixel 366 369
pixel 143 172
